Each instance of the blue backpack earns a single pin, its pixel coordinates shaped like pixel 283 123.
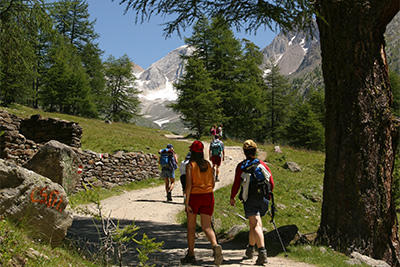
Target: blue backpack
pixel 164 161
pixel 167 159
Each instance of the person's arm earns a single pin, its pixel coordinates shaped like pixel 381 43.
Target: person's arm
pixel 236 184
pixel 188 188
pixel 213 175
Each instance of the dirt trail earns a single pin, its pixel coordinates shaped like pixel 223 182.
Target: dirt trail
pixel 157 218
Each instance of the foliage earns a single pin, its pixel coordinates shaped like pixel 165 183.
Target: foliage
pixel 66 86
pixel 147 246
pixel 48 56
pixel 278 99
pixel 288 14
pixel 113 238
pixel 17 49
pixel 232 70
pixel 18 249
pixel 122 96
pixel 197 102
pixel 303 129
pixel 395 84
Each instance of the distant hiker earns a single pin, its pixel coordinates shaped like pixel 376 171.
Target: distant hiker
pixel 200 200
pixel 213 131
pixel 182 169
pixel 219 131
pixel 217 154
pixel 168 161
pixel 256 182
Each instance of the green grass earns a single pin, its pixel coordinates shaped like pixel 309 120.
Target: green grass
pixel 15 244
pixel 298 196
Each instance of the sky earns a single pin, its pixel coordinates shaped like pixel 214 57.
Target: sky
pixel 143 43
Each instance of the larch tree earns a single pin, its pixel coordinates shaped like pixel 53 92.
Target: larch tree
pixel 198 104
pixel 358 211
pixel 276 96
pixel 122 94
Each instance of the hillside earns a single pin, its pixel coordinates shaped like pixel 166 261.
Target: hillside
pixel 298 195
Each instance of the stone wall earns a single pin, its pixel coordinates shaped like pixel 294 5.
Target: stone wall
pixel 43 130
pixel 21 138
pixel 106 170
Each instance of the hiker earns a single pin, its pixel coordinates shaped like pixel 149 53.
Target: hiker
pixel 213 131
pixel 216 154
pixel 168 161
pixel 200 200
pixel 219 131
pixel 256 182
pixel 182 169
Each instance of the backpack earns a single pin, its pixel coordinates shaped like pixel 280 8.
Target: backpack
pixel 167 159
pixel 255 180
pixel 216 148
pixel 164 158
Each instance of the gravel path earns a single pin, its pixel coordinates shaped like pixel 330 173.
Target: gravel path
pixel 156 217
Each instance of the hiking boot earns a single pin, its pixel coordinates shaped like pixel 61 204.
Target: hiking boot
pixel 169 197
pixel 262 258
pixel 217 249
pixel 188 259
pixel 250 252
pixel 216 178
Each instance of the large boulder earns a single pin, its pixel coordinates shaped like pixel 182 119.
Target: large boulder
pixel 35 201
pixel 58 162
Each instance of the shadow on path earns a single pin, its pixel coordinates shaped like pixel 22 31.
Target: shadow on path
pixel 174 247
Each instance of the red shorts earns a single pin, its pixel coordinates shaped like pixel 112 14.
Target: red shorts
pixel 202 203
pixel 216 160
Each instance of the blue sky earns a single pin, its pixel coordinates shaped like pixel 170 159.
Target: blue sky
pixel 143 43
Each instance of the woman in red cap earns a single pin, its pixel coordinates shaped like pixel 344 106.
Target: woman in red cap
pixel 200 200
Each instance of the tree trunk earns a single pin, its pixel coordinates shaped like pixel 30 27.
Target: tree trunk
pixel 358 211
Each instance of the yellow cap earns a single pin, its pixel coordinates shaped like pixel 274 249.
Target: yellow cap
pixel 249 144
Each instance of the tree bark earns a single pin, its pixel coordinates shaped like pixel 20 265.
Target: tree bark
pixel 358 211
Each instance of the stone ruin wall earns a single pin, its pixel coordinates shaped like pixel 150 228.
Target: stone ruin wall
pixel 21 138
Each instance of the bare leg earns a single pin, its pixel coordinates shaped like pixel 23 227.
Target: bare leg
pixel 207 228
pixel 256 234
pixel 191 231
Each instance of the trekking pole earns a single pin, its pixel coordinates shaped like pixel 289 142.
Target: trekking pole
pixel 272 213
pixel 240 216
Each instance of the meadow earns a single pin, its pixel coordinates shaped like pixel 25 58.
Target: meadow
pixel 298 196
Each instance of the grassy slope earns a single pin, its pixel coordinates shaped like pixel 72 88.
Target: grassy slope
pixel 298 195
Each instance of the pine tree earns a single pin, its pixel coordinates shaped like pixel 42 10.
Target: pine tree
pixel 303 128
pixel 277 100
pixel 66 87
pixel 245 100
pixel 72 21
pixel 198 104
pixel 17 49
pixel 122 97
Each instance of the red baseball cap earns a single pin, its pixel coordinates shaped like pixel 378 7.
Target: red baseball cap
pixel 197 146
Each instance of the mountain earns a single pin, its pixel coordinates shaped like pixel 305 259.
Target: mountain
pixel 297 56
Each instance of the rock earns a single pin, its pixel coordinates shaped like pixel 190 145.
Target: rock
pixel 30 198
pixel 58 162
pixel 277 149
pixel 235 230
pixel 292 166
pixel 286 232
pixel 369 261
